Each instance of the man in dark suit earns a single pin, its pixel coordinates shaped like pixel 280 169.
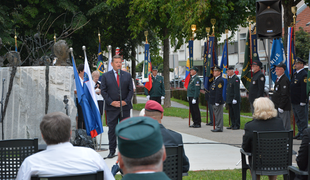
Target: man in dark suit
pixel 299 97
pixel 302 158
pixel 216 99
pixel 257 85
pixel 110 89
pixel 171 138
pixel 233 98
pixel 281 96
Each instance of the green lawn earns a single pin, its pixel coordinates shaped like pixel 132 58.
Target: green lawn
pixel 235 174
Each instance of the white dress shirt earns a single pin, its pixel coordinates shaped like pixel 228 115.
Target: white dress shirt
pixel 63 159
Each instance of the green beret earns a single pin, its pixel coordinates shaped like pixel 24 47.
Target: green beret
pixel 139 137
pixel 194 68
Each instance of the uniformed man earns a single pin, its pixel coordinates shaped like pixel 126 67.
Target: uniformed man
pixel 299 97
pixel 157 92
pixel 257 85
pixel 233 98
pixel 193 91
pixel 216 99
pixel 141 149
pixel 281 96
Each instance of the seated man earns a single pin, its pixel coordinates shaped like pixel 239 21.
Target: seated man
pixel 61 157
pixel 141 149
pixel 302 158
pixel 154 110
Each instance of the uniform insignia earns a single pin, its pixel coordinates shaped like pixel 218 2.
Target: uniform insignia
pixel 253 82
pixel 276 88
pixel 197 82
pixel 255 54
pixel 262 78
pixel 305 80
pixel 209 56
pixel 236 80
pixel 296 81
pixel 220 85
pixel 284 87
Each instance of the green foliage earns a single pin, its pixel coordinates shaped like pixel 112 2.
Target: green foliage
pixel 139 67
pixel 302 44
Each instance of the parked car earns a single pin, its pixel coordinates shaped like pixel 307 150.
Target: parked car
pixel 266 88
pixel 175 82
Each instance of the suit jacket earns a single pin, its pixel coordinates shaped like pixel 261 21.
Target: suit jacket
pixel 233 89
pixel 273 124
pixel 110 90
pixel 302 158
pixel 281 95
pixel 257 86
pixel 172 138
pixel 216 91
pixel 146 176
pixel 299 87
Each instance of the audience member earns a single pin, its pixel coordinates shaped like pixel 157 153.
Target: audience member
pixel 171 138
pixel 141 149
pixel 61 157
pixel 95 75
pixel 264 119
pixel 302 158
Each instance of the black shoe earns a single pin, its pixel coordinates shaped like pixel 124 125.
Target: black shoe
pixel 111 155
pixel 209 124
pixel 235 128
pixel 216 130
pixel 297 136
pixel 192 125
pixel 230 127
pixel 197 126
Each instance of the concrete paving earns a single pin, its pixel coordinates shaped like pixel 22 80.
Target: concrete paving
pixel 206 150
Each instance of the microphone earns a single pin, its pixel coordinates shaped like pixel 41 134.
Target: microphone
pixel 119 72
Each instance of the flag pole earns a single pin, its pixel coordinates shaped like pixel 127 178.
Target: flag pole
pixel 226 32
pixel 103 103
pixel 15 37
pixel 250 38
pixel 207 103
pixel 294 11
pixel 213 21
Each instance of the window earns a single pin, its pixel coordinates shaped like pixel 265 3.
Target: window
pixel 242 42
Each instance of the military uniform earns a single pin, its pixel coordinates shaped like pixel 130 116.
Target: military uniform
pixel 281 99
pixel 193 91
pixel 217 101
pixel 158 89
pixel 298 96
pixel 233 93
pixel 257 87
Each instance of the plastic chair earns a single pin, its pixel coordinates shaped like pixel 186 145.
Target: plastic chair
pixel 89 176
pixel 172 166
pixel 271 154
pixel 294 170
pixel 12 153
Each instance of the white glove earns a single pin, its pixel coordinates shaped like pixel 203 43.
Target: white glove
pixel 194 101
pixel 187 99
pixel 280 110
pixel 148 97
pixel 302 104
pixel 163 97
pixel 217 104
pixel 234 101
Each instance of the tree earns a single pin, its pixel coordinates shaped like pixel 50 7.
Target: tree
pixel 302 44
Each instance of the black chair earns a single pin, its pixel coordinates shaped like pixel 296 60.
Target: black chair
pixel 174 162
pixel 271 154
pixel 89 176
pixel 294 170
pixel 12 153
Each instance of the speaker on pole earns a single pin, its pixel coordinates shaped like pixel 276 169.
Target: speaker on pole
pixel 268 19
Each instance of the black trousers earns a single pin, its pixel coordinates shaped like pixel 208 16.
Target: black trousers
pixel 157 99
pixel 100 106
pixel 234 110
pixel 112 119
pixel 81 123
pixel 195 111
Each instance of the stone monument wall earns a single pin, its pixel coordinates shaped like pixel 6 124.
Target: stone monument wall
pixel 26 105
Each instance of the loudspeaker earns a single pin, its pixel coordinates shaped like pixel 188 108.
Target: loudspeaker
pixel 268 19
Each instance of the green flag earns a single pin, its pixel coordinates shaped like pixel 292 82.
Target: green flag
pixel 246 70
pixel 308 81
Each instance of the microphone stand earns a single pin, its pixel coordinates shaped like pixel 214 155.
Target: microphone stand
pixel 2 101
pixel 120 92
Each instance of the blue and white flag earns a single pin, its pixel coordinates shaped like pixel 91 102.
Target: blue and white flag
pixel 223 66
pixel 276 57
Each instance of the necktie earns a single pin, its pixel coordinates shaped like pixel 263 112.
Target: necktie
pixel 277 79
pixel 117 79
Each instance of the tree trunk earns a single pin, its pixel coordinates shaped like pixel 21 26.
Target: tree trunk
pixel 166 71
pixel 133 70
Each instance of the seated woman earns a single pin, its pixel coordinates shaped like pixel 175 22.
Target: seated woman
pixel 264 119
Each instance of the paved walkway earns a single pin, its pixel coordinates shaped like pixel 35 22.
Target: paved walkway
pixel 206 150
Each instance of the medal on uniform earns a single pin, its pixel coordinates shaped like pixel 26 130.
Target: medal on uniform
pixel 253 82
pixel 262 78
pixel 220 85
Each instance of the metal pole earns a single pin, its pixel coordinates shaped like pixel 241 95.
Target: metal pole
pixel 2 101
pixel 189 116
pixel 174 73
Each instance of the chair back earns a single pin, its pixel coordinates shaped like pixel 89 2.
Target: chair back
pixel 272 152
pixel 12 153
pixel 173 164
pixel 89 176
